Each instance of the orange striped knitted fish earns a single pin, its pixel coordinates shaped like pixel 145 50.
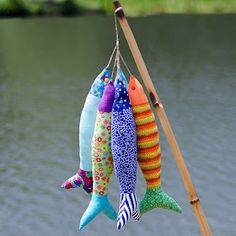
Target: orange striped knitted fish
pixel 149 152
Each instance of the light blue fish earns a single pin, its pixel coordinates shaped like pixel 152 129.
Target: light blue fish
pixel 83 177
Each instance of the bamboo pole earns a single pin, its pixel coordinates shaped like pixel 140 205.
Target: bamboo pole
pixel 193 197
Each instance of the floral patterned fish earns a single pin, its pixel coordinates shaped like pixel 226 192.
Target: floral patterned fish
pixel 83 177
pixel 149 152
pixel 101 160
pixel 124 152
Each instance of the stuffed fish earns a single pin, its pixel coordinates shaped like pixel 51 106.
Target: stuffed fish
pixel 124 152
pixel 149 152
pixel 120 76
pixel 83 177
pixel 101 160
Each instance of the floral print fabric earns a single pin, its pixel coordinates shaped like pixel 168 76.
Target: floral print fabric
pixel 100 83
pixel 101 152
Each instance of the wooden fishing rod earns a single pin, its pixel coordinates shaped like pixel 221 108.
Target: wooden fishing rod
pixel 193 197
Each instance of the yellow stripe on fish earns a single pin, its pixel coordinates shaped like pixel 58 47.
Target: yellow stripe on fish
pixel 149 152
pixel 140 108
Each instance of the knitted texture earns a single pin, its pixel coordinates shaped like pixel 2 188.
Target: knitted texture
pixel 149 152
pixel 124 151
pixel 101 160
pixel 86 130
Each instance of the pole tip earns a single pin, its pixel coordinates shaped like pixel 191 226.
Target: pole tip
pixel 118 9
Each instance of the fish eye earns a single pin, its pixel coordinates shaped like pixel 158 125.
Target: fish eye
pixel 133 87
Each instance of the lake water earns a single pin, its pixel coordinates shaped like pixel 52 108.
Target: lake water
pixel 46 69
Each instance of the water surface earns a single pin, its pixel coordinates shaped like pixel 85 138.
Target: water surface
pixel 46 69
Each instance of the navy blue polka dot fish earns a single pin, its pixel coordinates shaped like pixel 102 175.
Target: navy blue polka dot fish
pixel 124 152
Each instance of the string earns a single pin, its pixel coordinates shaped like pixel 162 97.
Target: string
pixel 117 45
pixel 126 66
pixel 111 57
pixel 118 53
pixel 113 68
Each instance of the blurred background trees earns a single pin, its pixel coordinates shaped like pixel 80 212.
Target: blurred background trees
pixel 9 8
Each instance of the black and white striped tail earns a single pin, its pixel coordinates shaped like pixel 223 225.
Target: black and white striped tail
pixel 128 207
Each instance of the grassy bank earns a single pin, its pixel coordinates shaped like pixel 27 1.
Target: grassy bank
pixel 149 7
pixel 132 7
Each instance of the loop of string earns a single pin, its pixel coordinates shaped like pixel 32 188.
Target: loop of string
pixel 118 55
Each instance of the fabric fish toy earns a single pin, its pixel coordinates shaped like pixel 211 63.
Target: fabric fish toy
pixel 83 177
pixel 120 76
pixel 124 152
pixel 149 152
pixel 101 160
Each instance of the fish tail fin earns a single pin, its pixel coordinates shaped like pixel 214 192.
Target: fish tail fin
pixel 80 179
pixel 73 182
pixel 109 211
pixel 97 205
pixel 128 208
pixel 136 214
pixel 157 198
